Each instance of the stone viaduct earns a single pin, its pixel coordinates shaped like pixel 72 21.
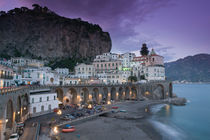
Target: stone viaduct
pixel 15 101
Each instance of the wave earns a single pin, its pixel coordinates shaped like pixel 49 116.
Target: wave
pixel 168 131
pixel 156 108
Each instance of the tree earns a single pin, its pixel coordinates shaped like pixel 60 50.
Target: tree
pixel 144 50
pixel 142 77
pixel 132 78
pixel 36 7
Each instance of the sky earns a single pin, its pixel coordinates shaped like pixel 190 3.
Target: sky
pixel 174 28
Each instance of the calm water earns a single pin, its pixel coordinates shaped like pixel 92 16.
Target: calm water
pixel 185 122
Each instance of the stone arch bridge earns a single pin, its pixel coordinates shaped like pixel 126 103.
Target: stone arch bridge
pixel 15 101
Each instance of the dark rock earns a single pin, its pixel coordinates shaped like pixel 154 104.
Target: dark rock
pixel 177 101
pixel 40 33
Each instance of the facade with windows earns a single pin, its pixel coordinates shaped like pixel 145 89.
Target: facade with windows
pixel 6 76
pixel 71 81
pixel 155 73
pixel 64 71
pixel 106 67
pixel 111 78
pixel 42 103
pixel 84 71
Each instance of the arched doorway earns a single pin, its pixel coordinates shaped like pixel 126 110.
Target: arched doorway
pixel 25 105
pixel 158 92
pixel 9 115
pixel 148 94
pixel 170 90
pixel 113 94
pixel 127 93
pixel 121 94
pixel 134 93
pixel 59 92
pixel 18 110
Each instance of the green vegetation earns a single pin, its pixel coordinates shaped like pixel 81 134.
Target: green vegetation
pixel 144 50
pixel 132 78
pixel 69 63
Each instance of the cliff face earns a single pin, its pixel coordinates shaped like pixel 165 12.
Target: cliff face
pixel 192 68
pixel 39 32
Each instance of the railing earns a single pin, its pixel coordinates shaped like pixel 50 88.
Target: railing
pixel 6 76
pixel 34 87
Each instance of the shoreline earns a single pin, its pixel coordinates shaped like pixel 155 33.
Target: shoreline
pixel 130 125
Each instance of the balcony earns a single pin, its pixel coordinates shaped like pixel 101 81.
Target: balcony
pixel 6 76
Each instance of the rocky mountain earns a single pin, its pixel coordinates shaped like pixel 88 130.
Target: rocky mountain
pixel 191 68
pixel 40 33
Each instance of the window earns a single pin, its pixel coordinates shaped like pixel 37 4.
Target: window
pixel 49 107
pixel 54 98
pixel 40 99
pixel 42 108
pixel 47 98
pixel 112 64
pixel 153 59
pixel 34 109
pixel 32 100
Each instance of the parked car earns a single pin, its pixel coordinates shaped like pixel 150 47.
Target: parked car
pixel 14 136
pixel 64 118
pixel 70 116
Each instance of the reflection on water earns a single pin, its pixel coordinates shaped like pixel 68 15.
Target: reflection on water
pixel 167 110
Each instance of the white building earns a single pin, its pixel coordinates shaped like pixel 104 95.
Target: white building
pixel 42 102
pixel 71 81
pixel 84 71
pixel 106 57
pixel 20 61
pixel 126 59
pixel 64 71
pixel 6 76
pixel 155 73
pixel 111 78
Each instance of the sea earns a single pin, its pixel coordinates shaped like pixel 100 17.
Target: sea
pixel 189 122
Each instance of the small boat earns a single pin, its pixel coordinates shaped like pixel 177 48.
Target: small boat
pixel 122 110
pixel 66 130
pixel 67 126
pixel 114 107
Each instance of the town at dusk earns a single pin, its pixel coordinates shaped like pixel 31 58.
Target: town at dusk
pixel 104 69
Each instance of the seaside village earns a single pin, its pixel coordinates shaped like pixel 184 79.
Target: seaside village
pixel 108 68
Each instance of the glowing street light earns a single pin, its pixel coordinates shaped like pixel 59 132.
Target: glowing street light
pixel 6 120
pixel 59 112
pixel 55 130
pixel 89 106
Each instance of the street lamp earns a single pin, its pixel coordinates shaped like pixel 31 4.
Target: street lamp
pixel 55 130
pixel 59 112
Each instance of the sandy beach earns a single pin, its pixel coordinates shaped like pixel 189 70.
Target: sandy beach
pixel 129 125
